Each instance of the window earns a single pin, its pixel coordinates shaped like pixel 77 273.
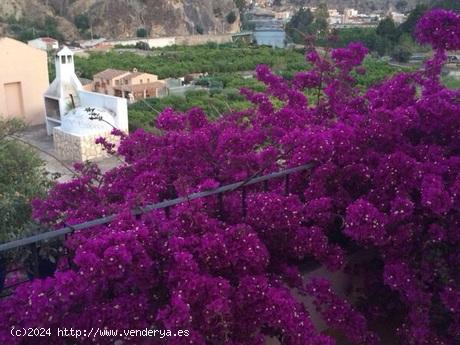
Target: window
pixel 69 58
pixel 141 81
pixel 63 59
pixel 148 80
pixel 126 81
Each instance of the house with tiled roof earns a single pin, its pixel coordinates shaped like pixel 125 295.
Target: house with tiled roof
pixel 44 43
pixel 133 85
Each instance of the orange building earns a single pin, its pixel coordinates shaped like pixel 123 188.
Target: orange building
pixel 23 80
pixel 131 85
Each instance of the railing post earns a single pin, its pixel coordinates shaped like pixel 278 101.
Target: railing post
pixel 243 202
pixel 66 249
pixel 34 260
pixel 3 272
pixel 220 202
pixel 286 185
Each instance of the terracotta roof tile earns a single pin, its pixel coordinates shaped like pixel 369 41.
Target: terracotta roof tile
pixel 110 73
pixel 141 87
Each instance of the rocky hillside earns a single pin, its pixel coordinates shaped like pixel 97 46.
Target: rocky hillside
pixel 123 18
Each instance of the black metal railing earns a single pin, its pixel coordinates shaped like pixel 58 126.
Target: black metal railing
pixel 34 243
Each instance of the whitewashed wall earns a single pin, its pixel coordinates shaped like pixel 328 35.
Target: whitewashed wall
pixel 152 42
pixel 118 105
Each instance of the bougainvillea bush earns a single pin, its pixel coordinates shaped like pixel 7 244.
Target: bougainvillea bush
pixel 386 182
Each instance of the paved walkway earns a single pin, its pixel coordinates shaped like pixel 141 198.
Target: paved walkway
pixel 37 138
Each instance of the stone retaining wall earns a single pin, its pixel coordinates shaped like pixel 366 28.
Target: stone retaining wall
pixel 72 147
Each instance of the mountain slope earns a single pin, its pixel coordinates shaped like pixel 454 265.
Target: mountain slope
pixel 122 18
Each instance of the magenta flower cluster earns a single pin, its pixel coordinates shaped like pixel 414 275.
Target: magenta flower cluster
pixel 440 28
pixel 386 186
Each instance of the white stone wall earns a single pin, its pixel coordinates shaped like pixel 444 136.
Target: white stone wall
pixel 71 147
pixel 116 105
pixel 152 42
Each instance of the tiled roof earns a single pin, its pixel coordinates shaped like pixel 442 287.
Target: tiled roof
pixel 113 73
pixel 133 75
pixel 141 87
pixel 136 74
pixel 48 39
pixel 110 73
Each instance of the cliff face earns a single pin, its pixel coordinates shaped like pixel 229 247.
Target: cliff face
pixel 122 18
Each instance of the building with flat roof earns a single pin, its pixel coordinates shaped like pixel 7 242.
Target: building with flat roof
pixel 23 80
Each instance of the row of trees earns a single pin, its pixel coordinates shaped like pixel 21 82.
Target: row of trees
pixel 178 61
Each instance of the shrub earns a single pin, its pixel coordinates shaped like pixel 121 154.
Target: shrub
pixel 142 45
pixel 386 184
pixel 401 54
pixel 231 17
pixel 199 29
pixel 141 32
pixel 82 22
pixel 22 178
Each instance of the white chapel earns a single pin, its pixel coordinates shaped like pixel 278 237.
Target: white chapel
pixel 76 118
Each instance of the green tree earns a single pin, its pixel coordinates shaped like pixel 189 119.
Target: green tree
pixel 82 22
pixel 367 36
pixel 447 4
pixel 199 29
pixel 409 24
pixel 401 5
pixel 388 34
pixel 241 4
pixel 321 19
pixel 231 17
pixel 387 29
pixel 22 178
pixel 142 46
pixel 50 28
pixel 299 25
pixel 141 32
pixel 401 53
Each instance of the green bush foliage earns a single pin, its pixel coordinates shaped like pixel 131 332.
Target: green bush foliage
pixel 22 178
